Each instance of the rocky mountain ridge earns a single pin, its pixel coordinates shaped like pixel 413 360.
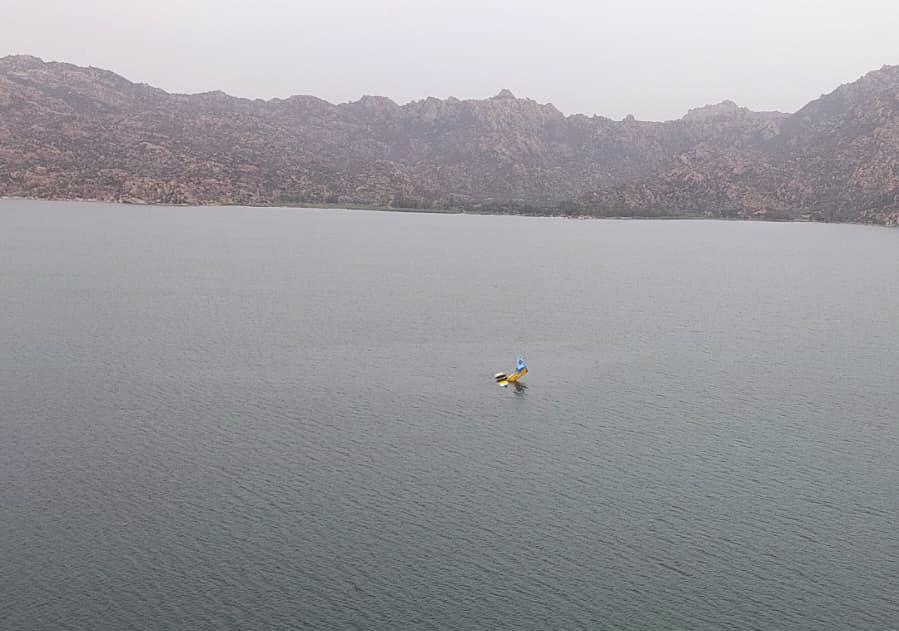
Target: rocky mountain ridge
pixel 68 132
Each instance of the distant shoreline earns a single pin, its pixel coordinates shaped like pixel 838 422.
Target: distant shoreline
pixel 449 211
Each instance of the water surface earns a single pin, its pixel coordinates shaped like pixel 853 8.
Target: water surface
pixel 232 418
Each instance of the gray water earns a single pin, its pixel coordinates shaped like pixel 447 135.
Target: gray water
pixel 232 418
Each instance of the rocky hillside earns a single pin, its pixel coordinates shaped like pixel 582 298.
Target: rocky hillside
pixel 68 132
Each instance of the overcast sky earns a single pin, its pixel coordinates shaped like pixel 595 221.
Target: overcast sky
pixel 652 59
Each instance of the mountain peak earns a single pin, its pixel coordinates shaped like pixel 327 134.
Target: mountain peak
pixel 371 103
pixel 372 100
pixel 23 61
pixel 722 108
pixel 505 93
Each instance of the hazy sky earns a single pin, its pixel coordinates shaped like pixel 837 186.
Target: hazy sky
pixel 653 59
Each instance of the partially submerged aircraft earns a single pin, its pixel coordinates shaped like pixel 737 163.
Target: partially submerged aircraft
pixel 521 369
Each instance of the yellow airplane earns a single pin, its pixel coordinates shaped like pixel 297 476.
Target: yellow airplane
pixel 521 370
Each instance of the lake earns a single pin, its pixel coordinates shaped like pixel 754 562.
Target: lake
pixel 263 418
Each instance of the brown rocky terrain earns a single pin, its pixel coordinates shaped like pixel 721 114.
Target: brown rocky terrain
pixel 68 132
